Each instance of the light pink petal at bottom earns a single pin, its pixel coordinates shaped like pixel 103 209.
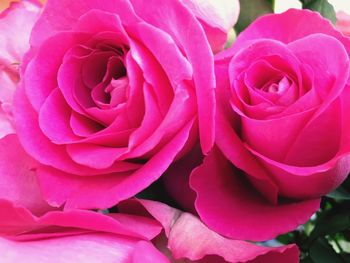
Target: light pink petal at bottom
pixel 92 248
pixel 145 252
pixel 190 239
pixel 18 182
pixel 237 210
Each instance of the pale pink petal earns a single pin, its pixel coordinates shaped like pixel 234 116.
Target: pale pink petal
pixel 20 18
pixel 18 182
pixel 221 14
pixel 190 239
pixel 343 23
pixel 92 248
pixel 216 17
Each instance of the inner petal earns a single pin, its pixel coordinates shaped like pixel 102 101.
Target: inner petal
pixel 277 86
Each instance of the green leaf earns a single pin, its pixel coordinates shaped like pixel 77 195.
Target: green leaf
pixel 329 224
pixel 339 194
pixel 321 6
pixel 250 10
pixel 322 252
pixel 306 260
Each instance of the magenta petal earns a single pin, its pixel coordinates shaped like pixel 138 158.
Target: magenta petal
pixel 56 17
pixel 40 76
pixel 38 145
pixel 145 252
pixel 94 156
pixel 83 126
pixel 104 191
pixel 179 114
pixel 197 51
pixel 165 51
pixel 304 182
pixel 289 26
pixel 18 220
pixel 176 179
pixel 54 119
pixel 226 137
pixel 236 210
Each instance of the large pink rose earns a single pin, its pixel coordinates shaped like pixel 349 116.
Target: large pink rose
pixel 142 231
pixel 18 17
pixel 281 132
pixel 112 93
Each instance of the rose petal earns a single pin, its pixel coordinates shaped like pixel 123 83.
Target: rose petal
pixel 109 189
pixel 18 181
pixel 180 27
pixel 289 26
pixel 247 209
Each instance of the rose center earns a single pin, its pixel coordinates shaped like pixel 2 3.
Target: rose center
pixel 279 86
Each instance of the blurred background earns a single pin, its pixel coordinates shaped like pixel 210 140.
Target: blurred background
pixel 282 5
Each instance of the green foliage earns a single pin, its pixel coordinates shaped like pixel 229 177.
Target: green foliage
pixel 326 237
pixel 250 10
pixel 321 6
pixel 340 194
pixel 322 252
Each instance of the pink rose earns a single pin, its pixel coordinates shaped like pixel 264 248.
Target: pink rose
pixel 142 231
pixel 113 92
pixel 343 23
pixel 281 132
pixel 18 17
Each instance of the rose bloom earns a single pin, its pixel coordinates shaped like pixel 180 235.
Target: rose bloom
pixel 282 137
pixel 141 231
pixel 112 92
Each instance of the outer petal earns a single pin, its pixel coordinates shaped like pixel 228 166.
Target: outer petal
pixel 20 18
pixel 216 17
pixel 235 209
pixel 290 26
pixel 343 23
pixel 83 236
pixel 18 182
pixel 222 14
pixel 56 17
pixel 19 223
pixel 92 248
pixel 145 252
pixel 111 188
pixel 187 32
pixel 190 239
